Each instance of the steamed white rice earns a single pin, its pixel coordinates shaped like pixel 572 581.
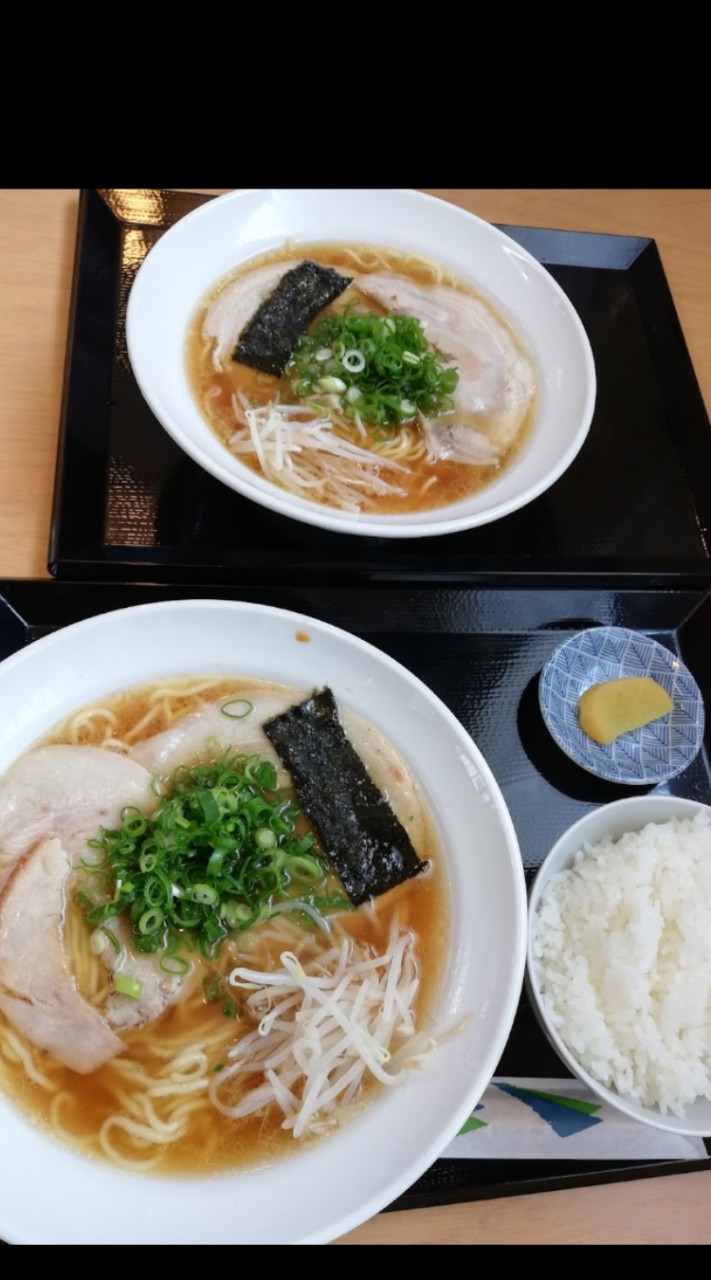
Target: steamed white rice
pixel 622 947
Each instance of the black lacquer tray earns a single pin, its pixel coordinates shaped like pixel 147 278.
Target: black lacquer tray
pixel 636 502
pixel 482 652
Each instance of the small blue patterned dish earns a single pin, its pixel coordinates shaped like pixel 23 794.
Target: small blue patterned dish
pixel 641 757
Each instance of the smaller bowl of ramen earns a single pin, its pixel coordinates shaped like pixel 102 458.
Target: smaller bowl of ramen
pixel 381 363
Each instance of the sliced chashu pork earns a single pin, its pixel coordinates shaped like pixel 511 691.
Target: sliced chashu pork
pixel 235 305
pixel 158 989
pixel 496 380
pixel 390 774
pixel 204 733
pixel 37 992
pixel 68 792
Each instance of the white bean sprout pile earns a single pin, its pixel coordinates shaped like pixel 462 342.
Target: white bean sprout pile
pixel 299 450
pixel 322 1031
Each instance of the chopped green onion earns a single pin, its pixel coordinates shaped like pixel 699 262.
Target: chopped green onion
pixel 235 914
pixel 219 850
pixel 128 986
pixel 333 386
pixel 244 705
pixel 133 820
pixel 214 990
pixel 382 364
pixel 98 942
pixel 205 894
pixel 150 921
pixel 208 804
pixel 304 869
pixel 353 360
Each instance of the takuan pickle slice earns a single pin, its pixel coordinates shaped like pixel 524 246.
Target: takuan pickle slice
pixel 615 707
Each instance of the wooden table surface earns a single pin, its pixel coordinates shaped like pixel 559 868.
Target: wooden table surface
pixel 37 236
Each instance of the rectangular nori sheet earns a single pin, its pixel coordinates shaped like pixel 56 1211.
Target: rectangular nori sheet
pixel 363 839
pixel 268 340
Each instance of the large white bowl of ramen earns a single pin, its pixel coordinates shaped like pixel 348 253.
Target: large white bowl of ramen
pixel 374 362
pixel 206 1034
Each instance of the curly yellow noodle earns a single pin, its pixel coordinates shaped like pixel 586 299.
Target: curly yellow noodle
pixel 160 1113
pixel 89 971
pixel 139 730
pixel 15 1050
pixel 196 1037
pixel 70 1136
pixel 112 1152
pixel 83 729
pixel 408 445
pixel 363 258
pixel 189 690
pixel 434 273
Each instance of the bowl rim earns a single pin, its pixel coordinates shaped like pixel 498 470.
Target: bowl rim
pixel 515 960
pixel 633 1110
pixel 258 489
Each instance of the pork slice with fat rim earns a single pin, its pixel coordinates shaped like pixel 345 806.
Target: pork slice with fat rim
pixel 203 734
pixel 159 990
pixel 227 316
pixel 69 792
pixel 38 994
pixel 496 379
pixel 390 774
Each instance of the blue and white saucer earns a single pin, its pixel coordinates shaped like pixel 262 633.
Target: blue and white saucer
pixel 644 756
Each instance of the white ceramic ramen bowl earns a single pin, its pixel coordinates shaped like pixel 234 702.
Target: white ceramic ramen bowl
pixel 206 245
pixel 611 820
pixel 49 1194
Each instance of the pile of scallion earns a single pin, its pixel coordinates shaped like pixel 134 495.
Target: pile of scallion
pixel 382 368
pixel 215 856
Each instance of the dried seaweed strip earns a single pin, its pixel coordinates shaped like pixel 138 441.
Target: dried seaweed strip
pixel 268 339
pixel 367 845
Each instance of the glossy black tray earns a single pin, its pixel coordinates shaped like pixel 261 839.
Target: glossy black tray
pixel 481 651
pixel 636 502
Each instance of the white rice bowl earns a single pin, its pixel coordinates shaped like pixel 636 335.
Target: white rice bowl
pixel 619 957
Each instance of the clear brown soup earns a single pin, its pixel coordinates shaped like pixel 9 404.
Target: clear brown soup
pixel 74 1107
pixel 429 485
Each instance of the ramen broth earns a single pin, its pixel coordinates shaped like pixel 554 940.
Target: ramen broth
pixel 428 484
pixel 75 1107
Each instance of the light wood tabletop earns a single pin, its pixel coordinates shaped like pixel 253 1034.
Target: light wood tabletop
pixel 37 240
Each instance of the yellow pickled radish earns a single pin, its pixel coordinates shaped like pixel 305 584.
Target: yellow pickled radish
pixel 616 706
